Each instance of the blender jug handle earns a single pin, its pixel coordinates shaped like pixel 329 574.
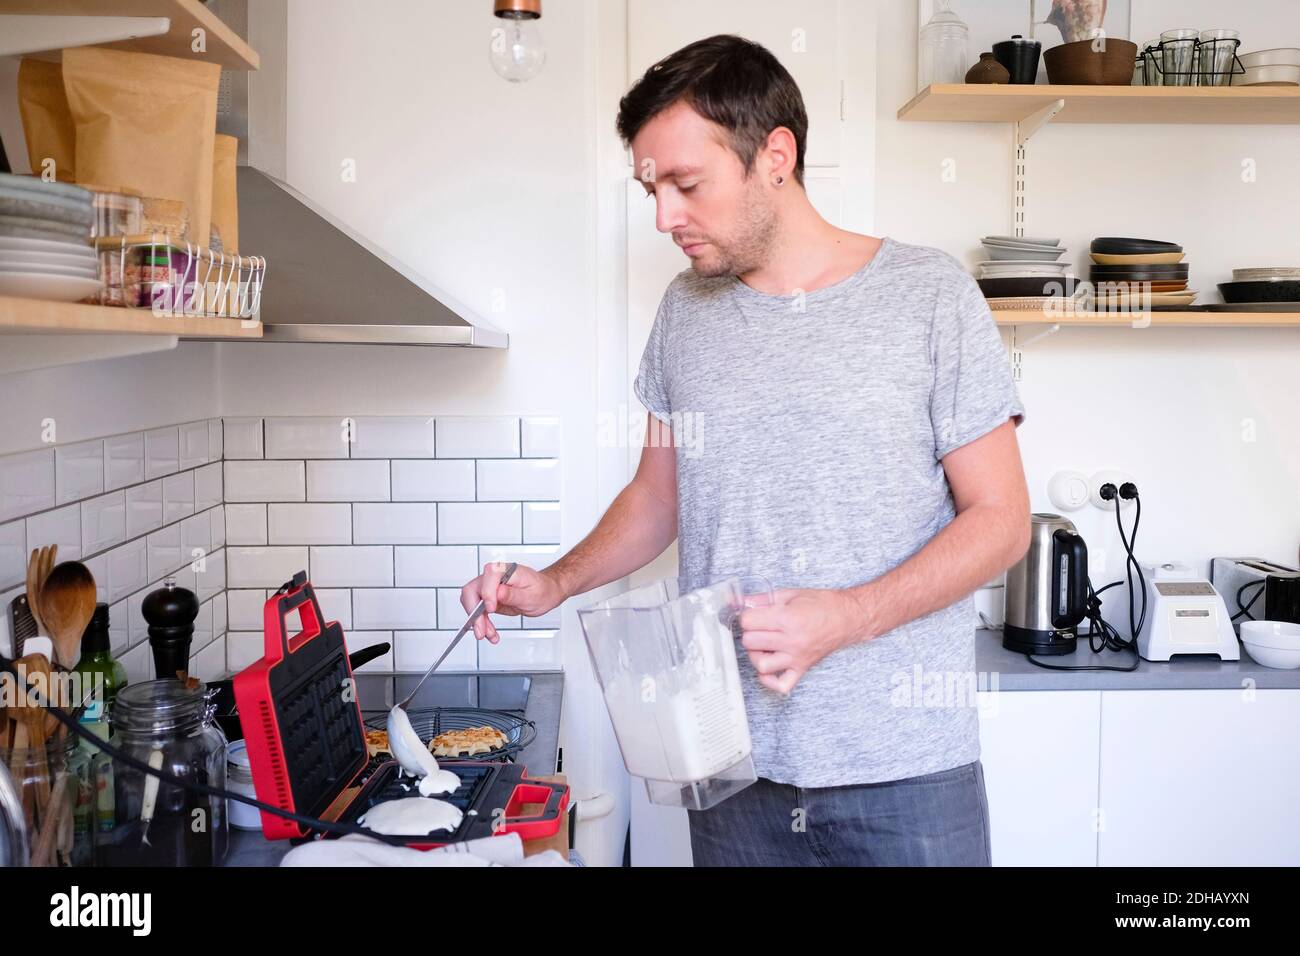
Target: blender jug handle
pixel 755 590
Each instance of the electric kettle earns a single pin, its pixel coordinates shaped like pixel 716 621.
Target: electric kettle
pixel 1047 589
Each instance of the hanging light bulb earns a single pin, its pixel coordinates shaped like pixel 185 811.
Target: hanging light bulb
pixel 516 48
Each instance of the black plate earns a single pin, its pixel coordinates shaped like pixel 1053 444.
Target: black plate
pixel 1176 270
pixel 1024 286
pixel 1277 290
pixel 1122 246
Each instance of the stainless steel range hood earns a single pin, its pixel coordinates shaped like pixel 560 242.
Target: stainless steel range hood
pixel 325 283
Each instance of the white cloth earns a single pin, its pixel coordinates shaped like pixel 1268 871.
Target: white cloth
pixel 357 850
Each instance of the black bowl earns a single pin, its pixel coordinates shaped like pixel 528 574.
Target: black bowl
pixel 1025 286
pixel 1177 270
pixel 1276 290
pixel 1120 246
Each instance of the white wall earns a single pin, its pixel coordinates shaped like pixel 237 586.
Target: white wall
pixel 1170 406
pixel 487 189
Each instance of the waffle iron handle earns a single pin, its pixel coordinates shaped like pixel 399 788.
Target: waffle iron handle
pixel 295 595
pixel 555 796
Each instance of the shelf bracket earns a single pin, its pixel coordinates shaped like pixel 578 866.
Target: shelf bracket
pixel 1022 131
pixel 1017 347
pixel 37 33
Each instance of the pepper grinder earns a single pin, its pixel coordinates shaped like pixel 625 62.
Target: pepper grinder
pixel 170 612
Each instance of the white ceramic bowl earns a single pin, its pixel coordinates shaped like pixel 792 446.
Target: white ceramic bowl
pixel 1038 253
pixel 1285 56
pixel 1273 643
pixel 1276 74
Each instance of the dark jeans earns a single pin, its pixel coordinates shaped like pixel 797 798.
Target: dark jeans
pixel 939 819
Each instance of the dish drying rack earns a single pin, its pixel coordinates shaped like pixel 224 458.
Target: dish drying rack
pixel 432 721
pixel 211 283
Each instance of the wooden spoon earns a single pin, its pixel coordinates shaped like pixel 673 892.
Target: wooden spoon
pixel 67 600
pixel 37 674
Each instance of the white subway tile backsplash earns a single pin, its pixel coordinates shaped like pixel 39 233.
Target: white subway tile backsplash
pixel 309 523
pixel 103 522
pixel 13 557
pixel 219 613
pixel 438 566
pixel 210 575
pixel 123 460
pixel 209 664
pixel 138 663
pixel 433 480
pixel 541 522
pixel 243 438
pixel 477 436
pixel 61 526
pixel 194 444
pixel 394 608
pixel 393 437
pixel 216 445
pixel 196 537
pixel 359 639
pixel 305 438
pixel 78 470
pixel 451 614
pixel 144 508
pixel 162 451
pixel 246 524
pixel 265 481
pixel 26 483
pixel 385 523
pixel 207 486
pixel 185 577
pixel 415 651
pixel 336 605
pixel 128 569
pixel 164 551
pixel 536 556
pixel 480 523
pixel 119 631
pixel 178 496
pixel 520 650
pixel 218 515
pixel 541 437
pixel 352 566
pixel 526 479
pixel 203 632
pixel 139 627
pixel 347 480
pixel 243 649
pixel 98 568
pixel 266 567
pixel 245 608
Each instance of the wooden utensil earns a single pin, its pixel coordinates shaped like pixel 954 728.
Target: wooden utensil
pixel 67 602
pixel 46 840
pixel 37 673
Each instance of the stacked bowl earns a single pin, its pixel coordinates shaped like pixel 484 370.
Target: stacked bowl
pixel 1277 287
pixel 1147 273
pixel 1023 272
pixel 45 250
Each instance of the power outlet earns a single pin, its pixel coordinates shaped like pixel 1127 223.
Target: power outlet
pixel 1116 478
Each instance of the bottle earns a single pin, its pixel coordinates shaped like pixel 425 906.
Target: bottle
pixel 101 677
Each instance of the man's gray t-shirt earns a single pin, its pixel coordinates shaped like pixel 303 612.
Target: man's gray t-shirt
pixel 809 432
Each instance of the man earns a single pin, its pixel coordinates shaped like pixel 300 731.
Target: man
pixel 856 424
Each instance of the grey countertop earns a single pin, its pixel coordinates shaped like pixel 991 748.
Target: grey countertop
pixel 545 697
pixel 1012 671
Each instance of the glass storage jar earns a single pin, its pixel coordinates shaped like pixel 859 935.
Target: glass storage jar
pixel 166 724
pixel 50 793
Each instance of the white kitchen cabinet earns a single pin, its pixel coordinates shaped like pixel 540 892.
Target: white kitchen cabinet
pixel 1200 778
pixel 1039 751
pixel 805 37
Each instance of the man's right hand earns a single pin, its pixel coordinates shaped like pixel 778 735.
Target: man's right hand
pixel 528 592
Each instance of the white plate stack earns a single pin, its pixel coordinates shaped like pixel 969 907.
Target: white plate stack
pixel 1024 251
pixel 45 250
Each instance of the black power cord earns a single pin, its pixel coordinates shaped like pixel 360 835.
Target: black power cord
pixel 1100 634
pixel 74 725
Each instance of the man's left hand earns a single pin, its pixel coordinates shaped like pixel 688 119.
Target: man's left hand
pixel 800 627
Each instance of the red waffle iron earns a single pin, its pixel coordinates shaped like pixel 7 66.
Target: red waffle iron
pixel 307 745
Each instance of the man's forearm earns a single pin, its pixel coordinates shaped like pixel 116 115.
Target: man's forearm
pixel 976 546
pixel 635 529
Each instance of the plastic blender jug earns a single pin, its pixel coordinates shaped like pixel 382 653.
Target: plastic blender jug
pixel 666 662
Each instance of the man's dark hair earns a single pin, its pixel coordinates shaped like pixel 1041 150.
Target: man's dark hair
pixel 729 80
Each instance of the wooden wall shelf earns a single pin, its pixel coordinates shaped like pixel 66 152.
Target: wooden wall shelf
pixel 1204 320
pixel 38 316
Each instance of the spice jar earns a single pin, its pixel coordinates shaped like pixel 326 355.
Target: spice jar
pixel 167 724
